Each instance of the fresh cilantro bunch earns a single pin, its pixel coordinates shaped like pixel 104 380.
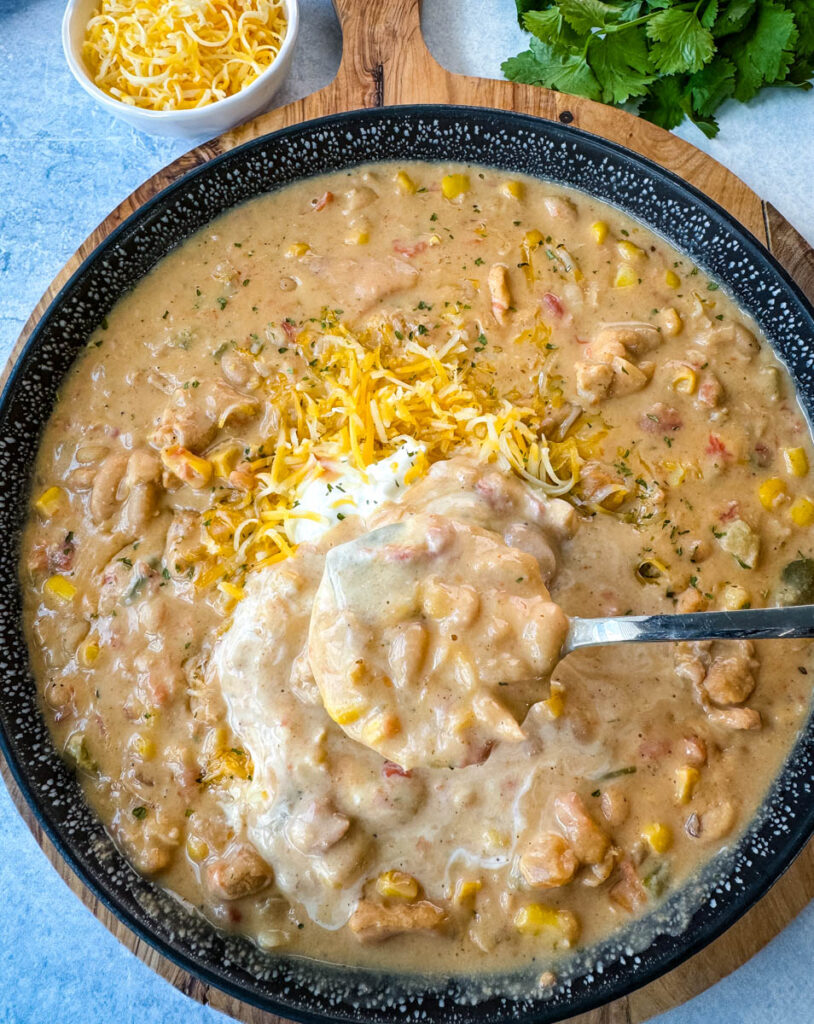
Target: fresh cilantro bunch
pixel 672 59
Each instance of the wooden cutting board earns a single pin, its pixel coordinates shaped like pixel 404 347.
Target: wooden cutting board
pixel 384 61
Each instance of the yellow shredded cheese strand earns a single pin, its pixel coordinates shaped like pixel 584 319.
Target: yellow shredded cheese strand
pixel 181 54
pixel 362 398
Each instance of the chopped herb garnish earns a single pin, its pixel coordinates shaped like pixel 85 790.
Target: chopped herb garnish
pixel 617 773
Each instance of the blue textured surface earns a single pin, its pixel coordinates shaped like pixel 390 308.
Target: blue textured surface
pixel 63 165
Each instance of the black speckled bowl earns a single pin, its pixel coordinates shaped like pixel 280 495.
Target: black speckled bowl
pixel 307 990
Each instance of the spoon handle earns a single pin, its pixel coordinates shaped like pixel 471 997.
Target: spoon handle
pixel 748 624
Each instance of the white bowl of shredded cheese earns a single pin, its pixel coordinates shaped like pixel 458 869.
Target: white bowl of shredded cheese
pixel 181 67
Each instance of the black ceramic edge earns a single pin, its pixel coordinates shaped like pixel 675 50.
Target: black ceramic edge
pixel 771 869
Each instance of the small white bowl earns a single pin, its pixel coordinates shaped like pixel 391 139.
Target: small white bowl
pixel 210 120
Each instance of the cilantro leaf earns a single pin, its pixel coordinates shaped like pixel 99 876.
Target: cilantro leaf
pixel 680 41
pixel 524 68
pixel 734 17
pixel 800 73
pixel 585 15
pixel 542 65
pixel 710 86
pixel 663 104
pixel 621 64
pixel 710 14
pixel 550 27
pixel 524 6
pixel 766 54
pixel 708 125
pixel 677 58
pixel 630 11
pixel 803 11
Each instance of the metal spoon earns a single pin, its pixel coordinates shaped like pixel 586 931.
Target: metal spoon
pixel 749 624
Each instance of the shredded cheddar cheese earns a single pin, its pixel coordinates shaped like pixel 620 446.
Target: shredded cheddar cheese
pixel 180 54
pixel 363 396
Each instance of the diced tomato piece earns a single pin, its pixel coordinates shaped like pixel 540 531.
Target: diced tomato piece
pixel 390 768
pixel 553 304
pixel 404 249
pixel 715 446
pixel 290 329
pixel 322 202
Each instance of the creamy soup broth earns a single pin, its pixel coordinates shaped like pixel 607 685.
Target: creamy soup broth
pixel 305 525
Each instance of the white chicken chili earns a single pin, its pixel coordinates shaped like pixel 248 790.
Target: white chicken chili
pixel 307 521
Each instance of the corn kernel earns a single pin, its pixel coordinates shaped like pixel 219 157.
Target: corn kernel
pixel 197 849
pixel 298 250
pixel 532 239
pixel 382 726
pixel 686 781
pixel 405 183
pixel 736 597
pixel 466 889
pixel 88 652
pixel 495 840
pixel 434 240
pixel 537 919
pixel 658 837
pixel 802 512
pixel 671 279
pixel 771 492
pixel 272 938
pixel 346 714
pixel 60 587
pixel 189 468
pixel 397 885
pixel 796 461
pixel 454 185
pixel 77 748
pixel 49 501
pixel 359 238
pixel 685 380
pixel 599 229
pixel 671 322
pixel 144 747
pixel 625 276
pixel 554 705
pixel 225 459
pixel 628 251
pixel 231 591
pixel 513 189
pixel 481 231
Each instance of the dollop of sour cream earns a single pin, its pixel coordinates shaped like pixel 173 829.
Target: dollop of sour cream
pixel 346 491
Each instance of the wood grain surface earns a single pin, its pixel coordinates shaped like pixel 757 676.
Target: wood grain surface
pixel 384 61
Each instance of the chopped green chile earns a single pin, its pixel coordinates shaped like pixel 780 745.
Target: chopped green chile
pixel 797 583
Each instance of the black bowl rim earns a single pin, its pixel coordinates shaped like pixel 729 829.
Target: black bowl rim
pixel 733 908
